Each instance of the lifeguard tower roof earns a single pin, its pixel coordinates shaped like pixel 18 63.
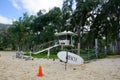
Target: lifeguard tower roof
pixel 65 33
pixel 65 38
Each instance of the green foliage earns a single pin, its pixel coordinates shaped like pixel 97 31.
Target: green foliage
pixel 101 55
pixel 87 54
pixel 90 19
pixel 111 53
pixel 20 32
pixel 1 49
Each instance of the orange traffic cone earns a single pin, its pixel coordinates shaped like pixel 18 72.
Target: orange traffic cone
pixel 40 71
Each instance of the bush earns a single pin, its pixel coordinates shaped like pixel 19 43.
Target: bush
pixel 101 55
pixel 111 53
pixel 1 48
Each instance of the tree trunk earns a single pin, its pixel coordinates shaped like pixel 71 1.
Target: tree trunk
pixel 118 35
pixel 79 39
pixel 118 44
pixel 96 47
pixel 78 49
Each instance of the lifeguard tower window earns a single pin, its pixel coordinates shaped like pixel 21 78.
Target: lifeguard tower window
pixel 64 37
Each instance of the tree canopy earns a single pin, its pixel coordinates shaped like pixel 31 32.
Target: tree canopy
pixel 90 19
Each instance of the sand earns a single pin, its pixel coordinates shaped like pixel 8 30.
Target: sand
pixel 12 68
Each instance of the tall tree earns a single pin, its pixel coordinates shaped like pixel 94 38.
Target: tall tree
pixel 67 11
pixel 84 10
pixel 106 22
pixel 20 30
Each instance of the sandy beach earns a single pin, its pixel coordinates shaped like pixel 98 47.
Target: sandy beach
pixel 12 68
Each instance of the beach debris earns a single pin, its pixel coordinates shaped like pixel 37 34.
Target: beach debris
pixel 20 55
pixel 74 68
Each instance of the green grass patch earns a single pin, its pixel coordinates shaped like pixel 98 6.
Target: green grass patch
pixel 53 54
pixel 42 55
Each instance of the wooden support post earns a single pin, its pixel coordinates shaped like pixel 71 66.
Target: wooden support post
pixel 48 55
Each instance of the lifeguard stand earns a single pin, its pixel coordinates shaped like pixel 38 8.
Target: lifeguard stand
pixel 65 38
